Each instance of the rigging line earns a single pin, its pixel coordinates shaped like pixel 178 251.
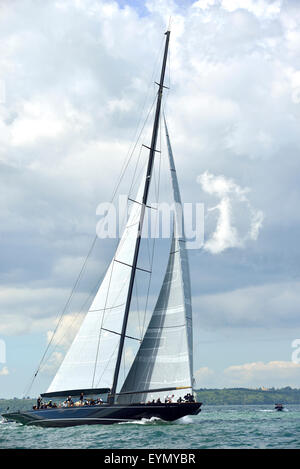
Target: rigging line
pixel 105 309
pixel 147 117
pixel 148 253
pixel 141 170
pixel 167 327
pixel 136 202
pixel 129 265
pixel 135 170
pixel 134 147
pixel 92 293
pixel 63 312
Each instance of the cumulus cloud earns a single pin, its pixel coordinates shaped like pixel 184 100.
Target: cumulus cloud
pixel 29 310
pixel 265 8
pixel 203 376
pixel 261 8
pixel 4 371
pixel 271 374
pixel 232 229
pixel 253 374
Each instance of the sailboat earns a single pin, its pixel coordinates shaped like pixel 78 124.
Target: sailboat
pixel 164 359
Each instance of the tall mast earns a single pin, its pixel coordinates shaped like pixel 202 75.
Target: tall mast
pixel 152 150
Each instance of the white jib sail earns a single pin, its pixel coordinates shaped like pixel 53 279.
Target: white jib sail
pixel 165 356
pixel 90 360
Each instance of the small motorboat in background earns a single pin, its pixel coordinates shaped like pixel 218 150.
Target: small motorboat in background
pixel 279 407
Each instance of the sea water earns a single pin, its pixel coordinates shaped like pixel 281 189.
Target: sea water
pixel 215 427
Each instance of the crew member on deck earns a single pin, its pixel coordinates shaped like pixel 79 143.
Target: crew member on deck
pixel 69 401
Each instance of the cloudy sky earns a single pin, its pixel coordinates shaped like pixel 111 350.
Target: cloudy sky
pixel 74 80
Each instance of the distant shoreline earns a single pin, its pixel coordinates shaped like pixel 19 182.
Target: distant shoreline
pixel 245 396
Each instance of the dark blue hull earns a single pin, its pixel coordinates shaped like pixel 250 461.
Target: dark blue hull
pixel 103 414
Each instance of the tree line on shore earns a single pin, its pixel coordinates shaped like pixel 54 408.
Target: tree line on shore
pixel 226 396
pixel 245 396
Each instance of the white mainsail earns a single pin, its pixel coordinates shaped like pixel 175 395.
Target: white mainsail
pixel 90 361
pixel 164 359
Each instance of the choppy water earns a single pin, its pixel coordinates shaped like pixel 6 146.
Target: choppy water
pixel 214 427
